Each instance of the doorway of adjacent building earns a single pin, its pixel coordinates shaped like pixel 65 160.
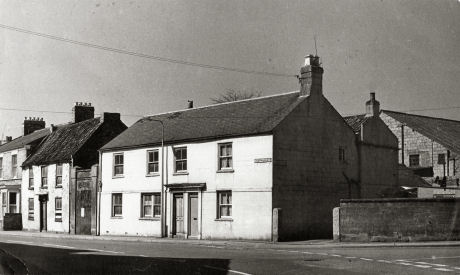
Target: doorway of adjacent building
pixel 43 199
pixel 178 214
pixel 193 214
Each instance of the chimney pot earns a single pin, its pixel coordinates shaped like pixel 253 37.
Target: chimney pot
pixel 372 106
pixel 190 104
pixel 311 77
pixel 82 112
pixel 9 138
pixel 33 124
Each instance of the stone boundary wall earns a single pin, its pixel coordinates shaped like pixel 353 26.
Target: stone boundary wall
pixel 397 220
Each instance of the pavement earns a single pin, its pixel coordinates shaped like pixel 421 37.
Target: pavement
pixel 245 243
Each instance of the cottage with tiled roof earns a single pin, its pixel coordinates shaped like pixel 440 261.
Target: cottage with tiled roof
pixel 59 178
pixel 12 154
pixel 265 168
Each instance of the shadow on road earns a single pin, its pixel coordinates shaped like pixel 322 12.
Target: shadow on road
pixel 22 259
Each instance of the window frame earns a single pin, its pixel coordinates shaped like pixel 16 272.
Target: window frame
pixel 115 165
pixel 57 211
pixel 157 162
pixel 59 176
pixel 1 167
pixel 14 166
pixel 443 160
pixel 418 160
pixel 117 205
pixel 152 204
pixel 13 205
pixel 182 160
pixel 31 210
pixel 44 176
pixel 220 205
pixel 221 157
pixel 31 172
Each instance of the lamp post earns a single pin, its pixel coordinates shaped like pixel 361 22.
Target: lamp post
pixel 163 195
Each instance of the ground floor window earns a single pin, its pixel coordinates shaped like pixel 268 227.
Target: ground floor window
pixel 58 209
pixel 4 202
pixel 117 205
pixel 224 204
pixel 31 209
pixel 13 204
pixel 151 205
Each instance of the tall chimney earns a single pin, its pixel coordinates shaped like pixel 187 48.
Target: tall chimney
pixel 311 77
pixel 82 111
pixel 372 106
pixel 32 124
pixel 9 138
pixel 190 104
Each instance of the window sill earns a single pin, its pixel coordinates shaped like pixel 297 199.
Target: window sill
pixel 58 186
pixel 117 217
pixel 118 176
pixel 225 171
pixel 224 220
pixel 149 219
pixel 153 175
pixel 180 173
pixel 58 220
pixel 31 188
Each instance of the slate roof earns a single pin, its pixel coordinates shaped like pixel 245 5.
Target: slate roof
pixel 355 122
pixel 444 131
pixel 245 117
pixel 64 142
pixel 22 141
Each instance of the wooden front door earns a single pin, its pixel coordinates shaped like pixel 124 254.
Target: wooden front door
pixel 43 212
pixel 193 214
pixel 178 215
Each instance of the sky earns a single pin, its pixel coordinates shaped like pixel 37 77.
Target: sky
pixel 405 51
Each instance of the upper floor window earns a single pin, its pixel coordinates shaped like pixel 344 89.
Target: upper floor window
pixel 4 198
pixel 414 160
pixel 152 162
pixel 118 162
pixel 1 167
pixel 31 178
pixel 14 166
pixel 441 159
pixel 31 209
pixel 151 205
pixel 225 156
pixel 58 209
pixel 342 154
pixel 224 204
pixel 44 176
pixel 180 159
pixel 59 175
pixel 117 205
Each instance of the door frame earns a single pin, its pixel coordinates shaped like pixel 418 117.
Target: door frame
pixel 174 189
pixel 43 212
pixel 174 214
pixel 189 213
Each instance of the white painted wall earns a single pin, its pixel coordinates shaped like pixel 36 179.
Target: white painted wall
pixel 52 192
pixel 250 183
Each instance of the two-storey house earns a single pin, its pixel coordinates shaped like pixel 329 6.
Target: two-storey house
pixel 59 180
pixel 271 167
pixel 12 154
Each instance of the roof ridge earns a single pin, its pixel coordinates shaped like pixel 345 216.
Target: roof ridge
pixel 440 118
pixel 220 104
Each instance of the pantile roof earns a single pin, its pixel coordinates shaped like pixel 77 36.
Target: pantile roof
pixel 64 142
pixel 355 122
pixel 22 141
pixel 244 117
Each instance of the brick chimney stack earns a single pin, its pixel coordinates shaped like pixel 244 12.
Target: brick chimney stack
pixel 372 107
pixel 82 111
pixel 8 139
pixel 311 77
pixel 32 124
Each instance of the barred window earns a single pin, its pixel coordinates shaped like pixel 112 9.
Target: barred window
pixel 225 156
pixel 152 162
pixel 1 167
pixel 414 160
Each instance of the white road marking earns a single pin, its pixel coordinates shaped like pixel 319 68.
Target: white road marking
pixel 456 267
pixel 444 269
pixel 402 260
pixel 58 245
pixel 366 259
pixel 335 255
pixel 350 257
pixel 422 266
pixel 321 253
pixel 404 263
pixel 385 261
pixel 24 242
pixel 228 270
pixel 106 251
pixel 422 263
pixel 439 264
pixel 432 258
pixel 306 252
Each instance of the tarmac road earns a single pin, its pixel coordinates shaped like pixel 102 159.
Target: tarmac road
pixel 44 255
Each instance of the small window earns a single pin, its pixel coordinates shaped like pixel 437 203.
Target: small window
pixel 414 160
pixel 14 166
pixel 118 162
pixel 225 156
pixel 152 162
pixel 342 154
pixel 58 209
pixel 31 178
pixel 180 159
pixel 224 204
pixel 441 159
pixel 59 175
pixel 44 176
pixel 4 202
pixel 31 209
pixel 12 207
pixel 1 167
pixel 117 205
pixel 151 205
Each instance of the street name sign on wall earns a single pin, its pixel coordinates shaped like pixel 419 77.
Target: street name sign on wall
pixel 263 160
